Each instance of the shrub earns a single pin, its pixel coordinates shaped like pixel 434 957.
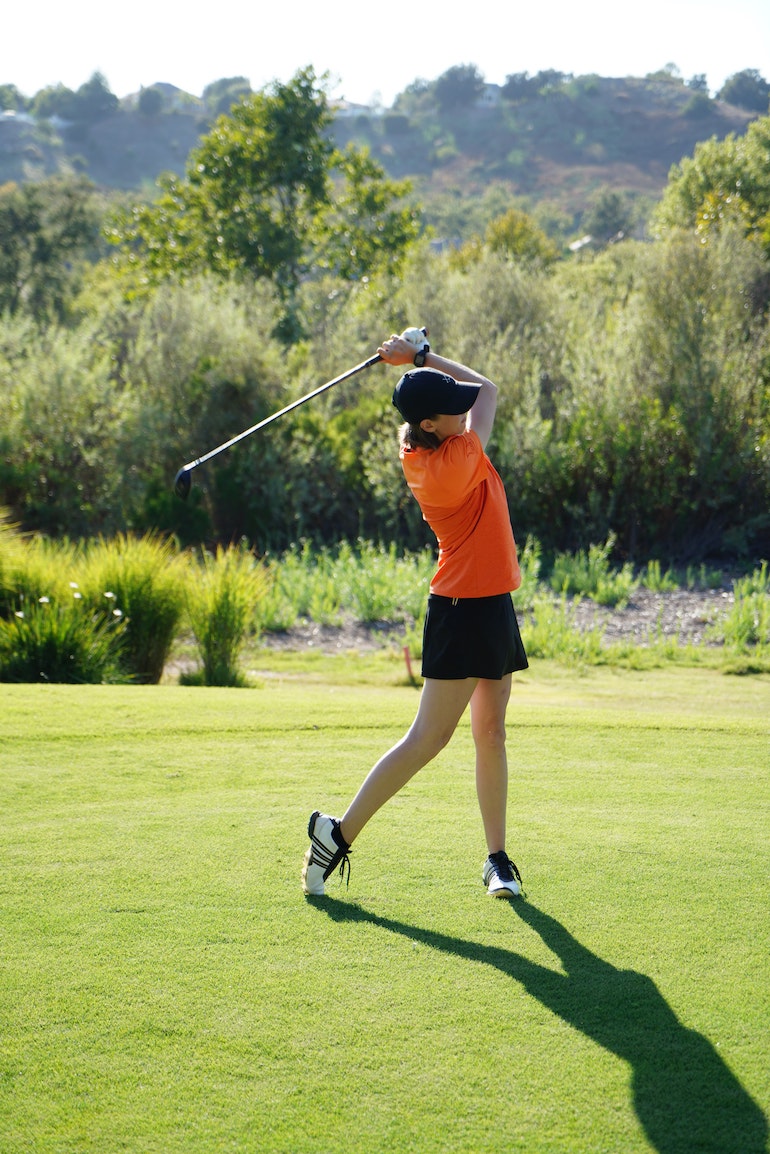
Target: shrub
pixel 222 597
pixel 61 643
pixel 144 576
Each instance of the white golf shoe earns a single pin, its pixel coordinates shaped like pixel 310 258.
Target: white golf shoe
pixel 327 850
pixel 501 876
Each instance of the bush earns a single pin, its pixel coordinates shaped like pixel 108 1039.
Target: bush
pixel 222 597
pixel 145 578
pixel 61 643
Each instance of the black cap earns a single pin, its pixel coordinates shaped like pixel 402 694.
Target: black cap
pixel 427 393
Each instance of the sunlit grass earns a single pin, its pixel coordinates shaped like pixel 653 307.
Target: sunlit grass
pixel 168 990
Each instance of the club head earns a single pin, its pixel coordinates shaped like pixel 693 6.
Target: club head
pixel 182 483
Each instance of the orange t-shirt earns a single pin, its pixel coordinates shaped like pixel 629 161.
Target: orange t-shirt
pixel 462 498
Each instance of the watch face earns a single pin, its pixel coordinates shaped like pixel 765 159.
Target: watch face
pixel 419 358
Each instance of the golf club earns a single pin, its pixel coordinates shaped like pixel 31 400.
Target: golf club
pixel 183 479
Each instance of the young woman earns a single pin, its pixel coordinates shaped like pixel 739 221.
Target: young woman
pixel 471 643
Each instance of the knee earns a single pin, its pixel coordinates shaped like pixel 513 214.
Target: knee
pixel 490 736
pixel 430 742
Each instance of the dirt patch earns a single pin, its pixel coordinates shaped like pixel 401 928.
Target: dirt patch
pixel 649 616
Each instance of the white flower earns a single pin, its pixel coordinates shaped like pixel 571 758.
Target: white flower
pixel 19 614
pixel 110 595
pixel 44 600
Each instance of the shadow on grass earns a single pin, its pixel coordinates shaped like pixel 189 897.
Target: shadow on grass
pixel 685 1096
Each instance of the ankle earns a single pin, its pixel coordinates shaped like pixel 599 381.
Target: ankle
pixel 339 837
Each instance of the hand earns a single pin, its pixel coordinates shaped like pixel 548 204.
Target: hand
pixel 400 350
pixel 397 351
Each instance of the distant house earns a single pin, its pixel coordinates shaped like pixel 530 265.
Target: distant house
pixel 346 110
pixel 490 97
pixel 12 114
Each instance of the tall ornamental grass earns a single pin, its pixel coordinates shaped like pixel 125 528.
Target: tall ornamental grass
pixel 223 591
pixel 47 631
pixel 61 642
pixel 144 576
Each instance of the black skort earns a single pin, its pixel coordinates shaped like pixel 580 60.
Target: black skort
pixel 471 637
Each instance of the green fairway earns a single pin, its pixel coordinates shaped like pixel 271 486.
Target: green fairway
pixel 165 987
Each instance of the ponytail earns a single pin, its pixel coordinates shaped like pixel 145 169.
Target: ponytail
pixel 415 437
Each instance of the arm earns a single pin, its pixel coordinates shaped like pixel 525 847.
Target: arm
pixel 397 351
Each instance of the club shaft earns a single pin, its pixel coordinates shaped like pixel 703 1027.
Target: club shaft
pixel 281 412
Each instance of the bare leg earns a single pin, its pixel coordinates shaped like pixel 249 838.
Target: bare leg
pixel 488 705
pixel 442 704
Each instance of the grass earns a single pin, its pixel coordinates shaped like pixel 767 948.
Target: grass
pixel 166 987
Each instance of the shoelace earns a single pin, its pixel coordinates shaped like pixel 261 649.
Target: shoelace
pixel 328 861
pixel 345 861
pixel 506 869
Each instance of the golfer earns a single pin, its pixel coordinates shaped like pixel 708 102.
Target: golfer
pixel 471 642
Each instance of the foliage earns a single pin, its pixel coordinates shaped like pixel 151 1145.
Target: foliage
pixel 458 87
pixel 59 428
pixel 747 89
pixel 46 230
pixel 91 102
pixel 220 96
pixel 747 625
pixel 588 573
pixel 657 581
pixel 609 216
pixel 257 200
pixel 151 101
pixel 60 642
pixel 369 582
pixel 725 182
pixel 144 577
pixel 516 236
pixel 223 593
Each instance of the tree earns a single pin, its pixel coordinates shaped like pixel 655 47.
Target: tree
pixel 608 216
pixel 11 98
pixel 93 100
pixel 458 87
pixel 258 200
pixel 519 86
pixel 56 100
pixel 150 101
pixel 724 181
pixel 221 95
pixel 515 235
pixel 44 229
pixel 747 89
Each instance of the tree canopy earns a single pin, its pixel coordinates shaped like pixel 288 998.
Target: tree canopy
pixel 747 89
pixel 723 181
pixel 267 195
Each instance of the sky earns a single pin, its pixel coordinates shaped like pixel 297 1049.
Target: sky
pixel 373 52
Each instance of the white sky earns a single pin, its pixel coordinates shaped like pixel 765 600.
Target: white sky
pixel 373 54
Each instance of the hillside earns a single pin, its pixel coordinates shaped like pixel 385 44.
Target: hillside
pixel 557 146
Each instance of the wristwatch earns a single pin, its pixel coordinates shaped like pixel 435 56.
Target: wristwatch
pixel 421 354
